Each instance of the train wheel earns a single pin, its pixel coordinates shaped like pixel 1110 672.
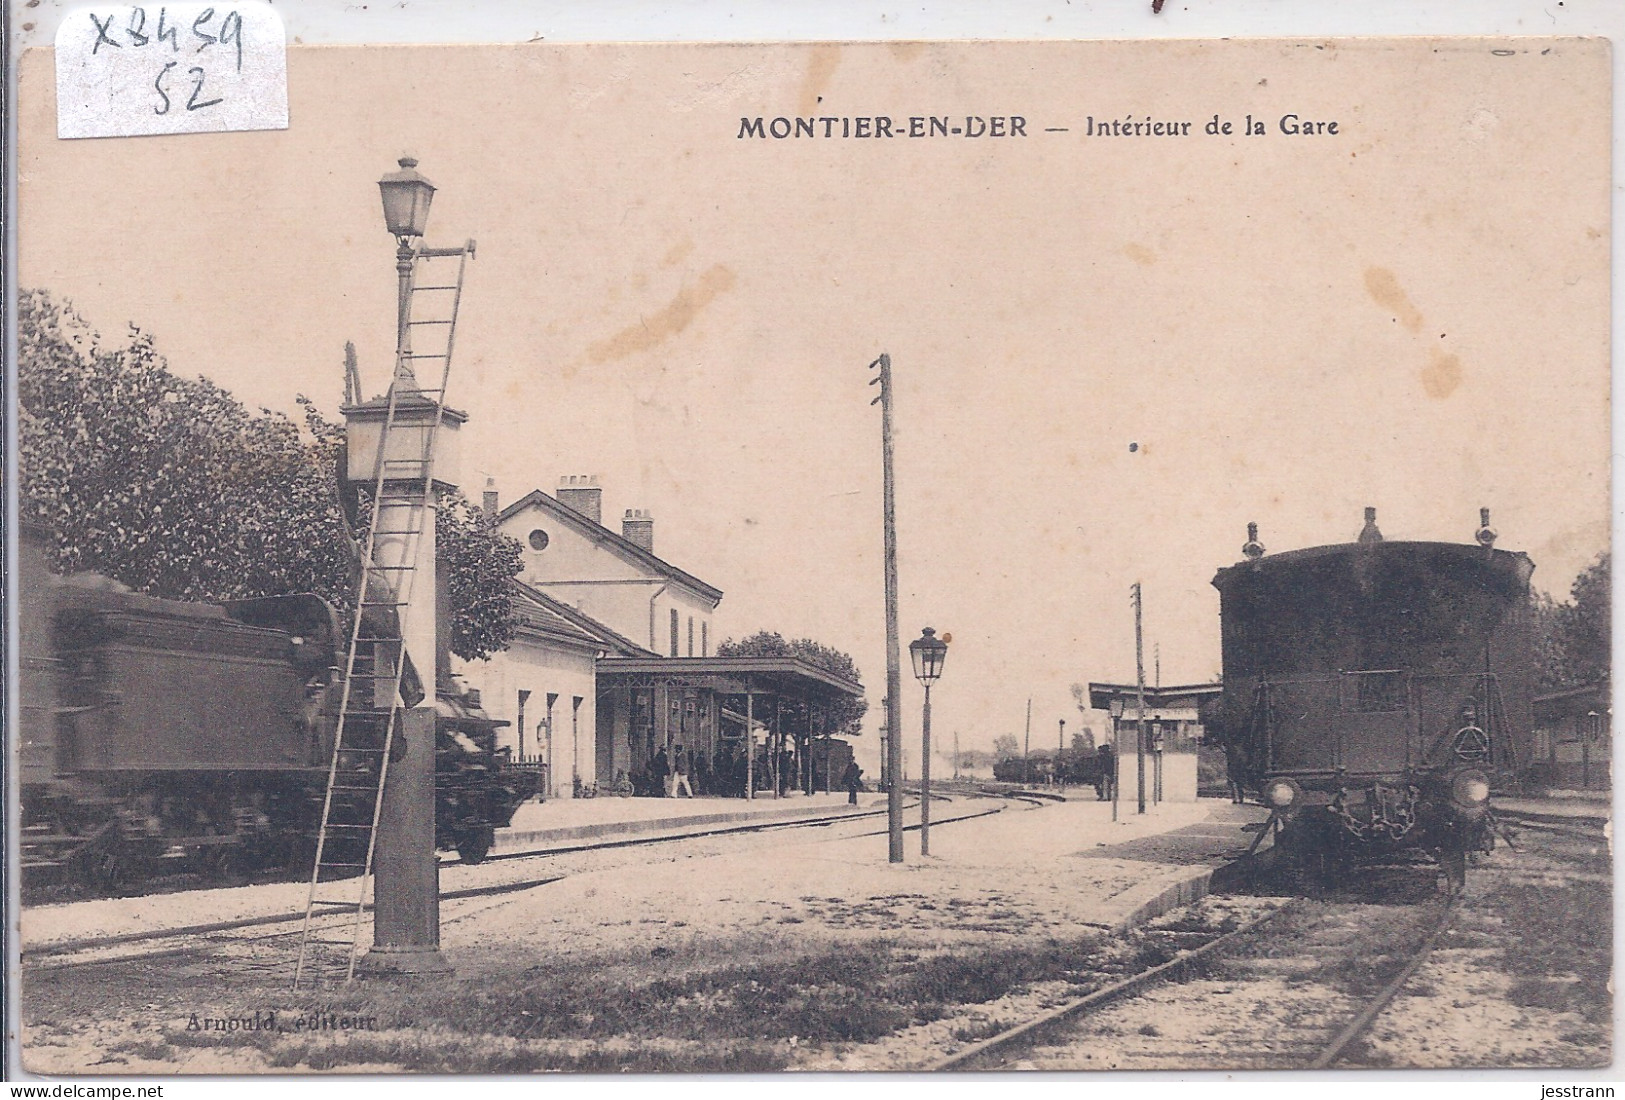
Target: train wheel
pixel 475 844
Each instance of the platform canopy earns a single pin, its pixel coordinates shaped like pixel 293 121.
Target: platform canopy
pixel 782 676
pixel 1175 703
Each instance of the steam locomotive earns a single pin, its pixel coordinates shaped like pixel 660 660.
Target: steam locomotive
pixel 1375 693
pixel 162 734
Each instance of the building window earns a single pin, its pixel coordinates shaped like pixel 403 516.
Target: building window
pixel 705 639
pixel 674 632
pixel 691 635
pixel 538 539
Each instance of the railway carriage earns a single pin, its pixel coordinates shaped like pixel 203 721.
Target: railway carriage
pixel 1376 692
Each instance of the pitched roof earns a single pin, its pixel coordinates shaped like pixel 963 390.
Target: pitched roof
pixel 605 537
pixel 538 618
pixel 551 610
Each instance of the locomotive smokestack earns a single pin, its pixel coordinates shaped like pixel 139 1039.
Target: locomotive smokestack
pixel 1486 534
pixel 1369 532
pixel 1253 549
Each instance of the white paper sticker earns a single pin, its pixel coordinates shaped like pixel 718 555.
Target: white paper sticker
pixel 125 71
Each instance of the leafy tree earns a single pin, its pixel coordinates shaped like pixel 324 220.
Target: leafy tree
pixel 1571 639
pixel 1006 747
pixel 173 487
pixel 479 561
pixel 844 715
pixel 1548 648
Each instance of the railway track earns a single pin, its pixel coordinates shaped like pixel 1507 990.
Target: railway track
pixel 175 884
pixel 247 932
pixel 1293 989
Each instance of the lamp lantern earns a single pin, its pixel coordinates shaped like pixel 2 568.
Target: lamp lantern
pixel 928 652
pixel 406 196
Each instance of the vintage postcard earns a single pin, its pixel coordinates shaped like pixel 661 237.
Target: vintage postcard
pixel 811 557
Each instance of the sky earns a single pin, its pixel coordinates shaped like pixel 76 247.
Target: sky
pixel 1110 353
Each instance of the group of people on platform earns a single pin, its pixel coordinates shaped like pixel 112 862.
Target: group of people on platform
pixel 680 772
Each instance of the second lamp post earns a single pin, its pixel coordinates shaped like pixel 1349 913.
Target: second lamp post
pixel 927 652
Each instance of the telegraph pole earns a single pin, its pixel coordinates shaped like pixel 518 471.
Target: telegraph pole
pixel 1060 750
pixel 956 754
pixel 1027 747
pixel 1139 673
pixel 894 683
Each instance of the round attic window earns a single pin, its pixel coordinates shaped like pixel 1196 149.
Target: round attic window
pixel 538 539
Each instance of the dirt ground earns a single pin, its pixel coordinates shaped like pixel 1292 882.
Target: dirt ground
pixel 813 955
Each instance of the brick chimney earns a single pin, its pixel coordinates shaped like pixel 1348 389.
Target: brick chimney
pixel 488 504
pixel 580 493
pixel 638 527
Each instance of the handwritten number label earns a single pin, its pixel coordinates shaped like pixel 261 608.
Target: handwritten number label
pixel 158 83
pixel 101 33
pixel 171 34
pixel 197 89
pixel 114 67
pixel 231 34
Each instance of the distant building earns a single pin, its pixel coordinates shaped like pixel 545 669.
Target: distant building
pixel 1174 732
pixel 1573 743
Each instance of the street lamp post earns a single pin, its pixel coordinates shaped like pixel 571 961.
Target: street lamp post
pixel 406 916
pixel 1117 748
pixel 1060 752
pixel 928 653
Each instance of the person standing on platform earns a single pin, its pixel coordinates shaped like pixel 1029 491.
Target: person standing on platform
pixel 660 772
pixel 680 786
pixel 1235 772
pixel 1105 783
pixel 852 780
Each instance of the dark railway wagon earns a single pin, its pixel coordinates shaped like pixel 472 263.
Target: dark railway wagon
pixel 1376 692
pixel 158 732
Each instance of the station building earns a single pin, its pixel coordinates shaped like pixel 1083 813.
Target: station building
pixel 612 666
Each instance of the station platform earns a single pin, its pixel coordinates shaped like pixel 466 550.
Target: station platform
pixel 566 821
pixel 1023 872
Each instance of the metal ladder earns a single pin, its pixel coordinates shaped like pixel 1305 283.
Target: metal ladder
pixel 380 681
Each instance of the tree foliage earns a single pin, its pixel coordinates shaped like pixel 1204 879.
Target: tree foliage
pixel 173 487
pixel 844 717
pixel 1572 639
pixel 1006 747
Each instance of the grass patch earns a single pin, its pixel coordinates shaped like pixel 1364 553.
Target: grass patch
pixel 694 1008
